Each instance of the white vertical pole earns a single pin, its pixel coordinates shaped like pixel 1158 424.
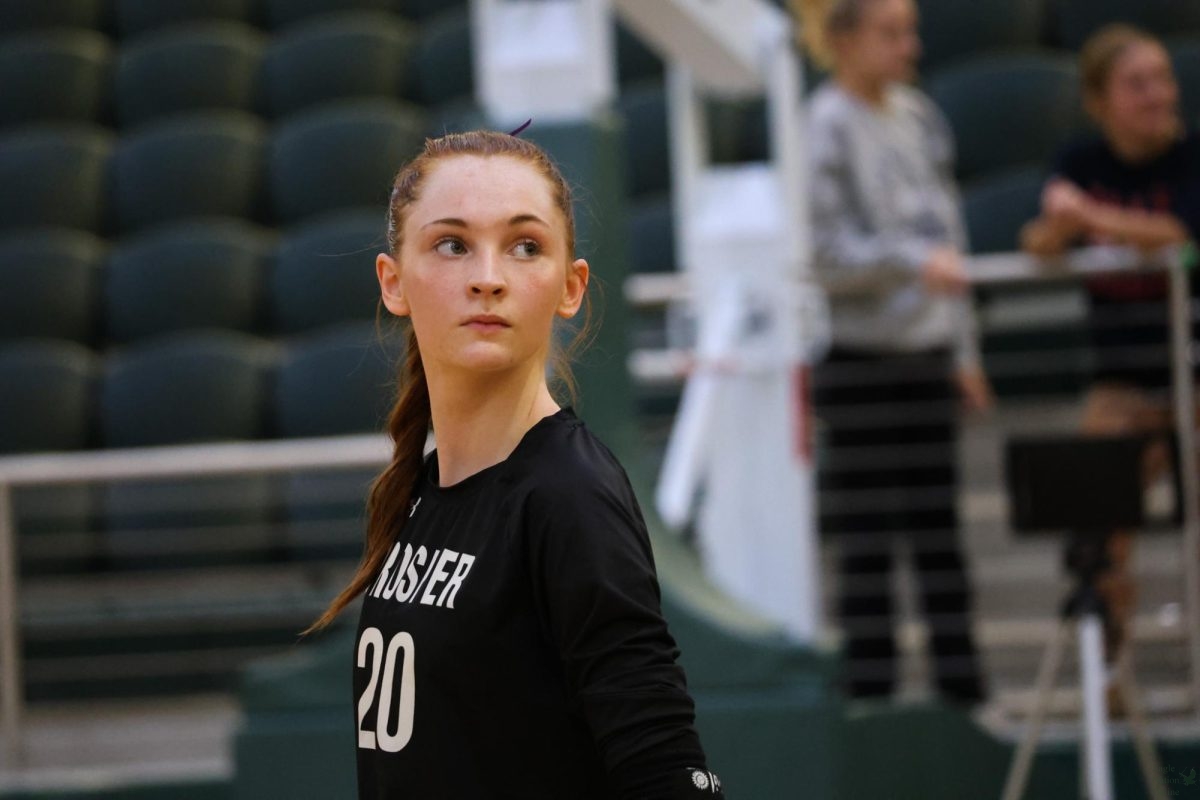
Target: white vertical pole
pixel 601 32
pixel 689 153
pixel 785 93
pixel 1098 769
pixel 1185 428
pixel 11 690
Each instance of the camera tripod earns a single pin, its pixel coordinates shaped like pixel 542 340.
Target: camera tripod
pixel 1086 611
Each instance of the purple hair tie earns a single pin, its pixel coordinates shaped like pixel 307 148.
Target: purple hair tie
pixel 522 127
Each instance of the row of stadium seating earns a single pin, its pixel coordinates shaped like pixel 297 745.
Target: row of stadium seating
pixel 994 136
pixel 950 28
pixel 198 385
pixel 196 273
pixel 124 18
pixel 223 163
pixel 78 75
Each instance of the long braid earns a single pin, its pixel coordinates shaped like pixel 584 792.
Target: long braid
pixel 391 491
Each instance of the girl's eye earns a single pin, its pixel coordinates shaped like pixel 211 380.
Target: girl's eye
pixel 450 247
pixel 527 248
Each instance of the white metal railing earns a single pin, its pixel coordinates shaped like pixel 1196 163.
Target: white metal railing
pixel 190 461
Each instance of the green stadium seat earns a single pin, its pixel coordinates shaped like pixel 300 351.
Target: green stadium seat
pixel 1076 20
pixel 50 284
pixel 54 75
pixel 191 274
pixel 281 13
pixel 338 380
pixel 46 402
pixel 996 206
pixel 45 395
pixel 324 514
pixel 196 386
pixel 647 157
pixel 636 61
pixel 652 235
pixel 202 164
pixel 737 130
pixel 952 29
pixel 134 17
pixel 21 15
pixel 324 272
pixel 1008 110
pixel 356 54
pixel 191 67
pixel 443 58
pixel 340 155
pixel 54 175
pixel 1185 55
pixel 463 114
pixel 193 386
pixel 425 9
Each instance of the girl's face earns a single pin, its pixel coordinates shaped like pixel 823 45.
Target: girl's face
pixel 1141 100
pixel 483 267
pixel 884 47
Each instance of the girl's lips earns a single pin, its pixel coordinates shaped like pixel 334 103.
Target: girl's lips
pixel 487 322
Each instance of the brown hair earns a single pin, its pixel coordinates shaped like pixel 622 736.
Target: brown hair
pixel 409 421
pixel 1101 52
pixel 821 19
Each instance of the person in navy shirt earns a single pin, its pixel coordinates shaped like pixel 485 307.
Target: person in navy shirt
pixel 1135 183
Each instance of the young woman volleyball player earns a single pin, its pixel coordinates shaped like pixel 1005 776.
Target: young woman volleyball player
pixel 511 643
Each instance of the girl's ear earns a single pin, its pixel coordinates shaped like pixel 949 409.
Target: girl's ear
pixel 391 288
pixel 573 289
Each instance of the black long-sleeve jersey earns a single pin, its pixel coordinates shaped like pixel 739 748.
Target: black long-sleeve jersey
pixel 513 644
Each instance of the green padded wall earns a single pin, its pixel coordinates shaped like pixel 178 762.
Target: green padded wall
pixel 933 752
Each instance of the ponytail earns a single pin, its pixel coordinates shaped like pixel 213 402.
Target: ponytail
pixel 391 492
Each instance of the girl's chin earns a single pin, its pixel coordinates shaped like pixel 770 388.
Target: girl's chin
pixel 486 357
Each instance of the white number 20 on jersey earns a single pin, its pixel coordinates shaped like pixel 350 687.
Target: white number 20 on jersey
pixel 382 737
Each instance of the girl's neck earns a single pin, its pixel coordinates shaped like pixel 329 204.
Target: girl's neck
pixel 478 423
pixel 869 90
pixel 1137 149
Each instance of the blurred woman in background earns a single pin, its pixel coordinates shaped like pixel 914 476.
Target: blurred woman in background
pixel 1135 183
pixel 889 238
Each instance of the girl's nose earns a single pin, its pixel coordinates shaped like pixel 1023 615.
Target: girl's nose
pixel 487 278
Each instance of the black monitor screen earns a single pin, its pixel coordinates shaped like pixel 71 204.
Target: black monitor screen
pixel 1076 483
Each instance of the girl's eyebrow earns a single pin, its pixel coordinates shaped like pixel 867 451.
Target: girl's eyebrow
pixel 517 220
pixel 521 218
pixel 454 221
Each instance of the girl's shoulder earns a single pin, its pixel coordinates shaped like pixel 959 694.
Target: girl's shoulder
pixel 1189 144
pixel 829 104
pixel 567 456
pixel 569 480
pixel 908 99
